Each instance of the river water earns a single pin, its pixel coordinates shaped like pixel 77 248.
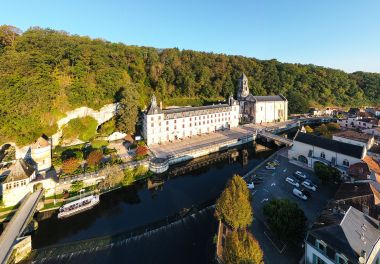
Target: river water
pixel 187 241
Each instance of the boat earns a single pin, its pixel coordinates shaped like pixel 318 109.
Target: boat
pixel 78 206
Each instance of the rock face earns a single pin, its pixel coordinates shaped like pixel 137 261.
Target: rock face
pixel 104 114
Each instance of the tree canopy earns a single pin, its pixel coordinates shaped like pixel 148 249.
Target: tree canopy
pixel 242 247
pixel 44 73
pixel 285 219
pixel 233 206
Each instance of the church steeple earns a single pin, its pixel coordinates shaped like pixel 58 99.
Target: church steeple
pixel 243 89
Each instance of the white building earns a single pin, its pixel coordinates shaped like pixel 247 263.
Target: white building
pixel 355 138
pixel 355 239
pixel 260 109
pixel 373 110
pixel 309 149
pixel 162 125
pixel 358 122
pixel 15 186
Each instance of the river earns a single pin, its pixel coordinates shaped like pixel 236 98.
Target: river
pixel 186 241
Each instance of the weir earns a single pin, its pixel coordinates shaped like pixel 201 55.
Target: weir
pixel 85 248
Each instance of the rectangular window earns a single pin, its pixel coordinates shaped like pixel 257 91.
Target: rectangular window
pixel 151 119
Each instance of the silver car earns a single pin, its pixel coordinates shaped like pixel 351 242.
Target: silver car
pixel 300 175
pixel 291 180
pixel 299 194
pixel 309 185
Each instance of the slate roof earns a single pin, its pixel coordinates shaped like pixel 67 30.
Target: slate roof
pixel 269 98
pixel 352 190
pixel 191 109
pixel 356 233
pixel 19 171
pixel 329 144
pixel 42 141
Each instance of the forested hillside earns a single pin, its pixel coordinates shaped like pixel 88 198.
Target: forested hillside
pixel 44 73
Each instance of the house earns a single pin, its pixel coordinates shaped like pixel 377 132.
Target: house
pixel 309 149
pixel 359 171
pixel 373 110
pixel 260 109
pixel 355 138
pixel 163 125
pixel 362 195
pixel 359 122
pixel 355 239
pixel 372 131
pixel 40 154
pixel 16 183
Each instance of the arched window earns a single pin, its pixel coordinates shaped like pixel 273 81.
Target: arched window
pixel 302 159
pixel 323 156
pixel 346 163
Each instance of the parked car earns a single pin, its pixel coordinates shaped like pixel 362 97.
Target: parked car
pixel 309 185
pixel 272 164
pixel 270 167
pixel 300 175
pixel 251 186
pixel 276 162
pixel 299 194
pixel 291 180
pixel 305 192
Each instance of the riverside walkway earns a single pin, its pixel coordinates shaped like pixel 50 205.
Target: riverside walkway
pixel 17 224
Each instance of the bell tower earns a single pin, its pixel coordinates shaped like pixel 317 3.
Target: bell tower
pixel 243 89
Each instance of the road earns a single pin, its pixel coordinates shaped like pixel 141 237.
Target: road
pixel 16 225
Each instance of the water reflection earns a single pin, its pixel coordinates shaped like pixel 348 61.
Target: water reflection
pixel 152 200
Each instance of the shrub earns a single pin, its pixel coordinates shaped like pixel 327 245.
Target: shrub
pixel 76 186
pixel 82 128
pixel 107 128
pixel 99 143
pixel 70 165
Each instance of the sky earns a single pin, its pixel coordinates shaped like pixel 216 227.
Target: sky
pixel 341 34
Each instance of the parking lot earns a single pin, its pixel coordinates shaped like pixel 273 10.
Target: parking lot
pixel 274 186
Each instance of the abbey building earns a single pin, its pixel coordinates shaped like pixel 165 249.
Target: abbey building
pixel 163 125
pixel 260 109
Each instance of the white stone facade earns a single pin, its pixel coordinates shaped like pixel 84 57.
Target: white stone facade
pixel 319 154
pixel 271 111
pixel 167 125
pixel 260 109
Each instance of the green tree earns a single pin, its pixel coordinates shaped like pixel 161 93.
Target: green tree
pixel 128 111
pixel 285 219
pixel 233 206
pixel 297 102
pixel 333 127
pixel 326 173
pixel 76 186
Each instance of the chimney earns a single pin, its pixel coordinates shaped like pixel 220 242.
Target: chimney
pixel 161 105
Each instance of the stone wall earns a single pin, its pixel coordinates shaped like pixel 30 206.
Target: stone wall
pixel 22 248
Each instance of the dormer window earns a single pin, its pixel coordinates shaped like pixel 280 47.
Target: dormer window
pixel 340 259
pixel 321 246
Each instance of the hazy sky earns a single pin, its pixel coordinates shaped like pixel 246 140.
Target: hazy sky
pixel 343 34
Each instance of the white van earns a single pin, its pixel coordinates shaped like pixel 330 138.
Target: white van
pixel 299 194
